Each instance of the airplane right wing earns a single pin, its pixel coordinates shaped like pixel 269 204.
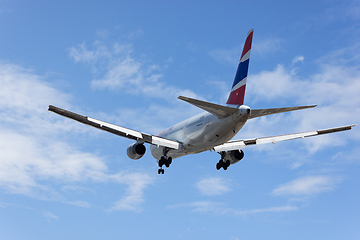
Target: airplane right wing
pixel 241 144
pixel 264 112
pixel 118 130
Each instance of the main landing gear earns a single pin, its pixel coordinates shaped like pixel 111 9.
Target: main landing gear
pixel 164 161
pixel 222 164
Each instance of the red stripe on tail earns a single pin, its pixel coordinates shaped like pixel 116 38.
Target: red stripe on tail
pixel 247 45
pixel 237 96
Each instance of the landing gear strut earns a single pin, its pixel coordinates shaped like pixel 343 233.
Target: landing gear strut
pixel 223 164
pixel 164 161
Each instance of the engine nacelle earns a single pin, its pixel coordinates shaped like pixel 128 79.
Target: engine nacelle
pixel 234 156
pixel 136 150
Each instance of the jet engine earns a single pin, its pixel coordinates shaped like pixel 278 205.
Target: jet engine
pixel 234 156
pixel 136 150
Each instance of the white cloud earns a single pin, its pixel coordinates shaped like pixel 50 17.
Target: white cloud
pixel 307 186
pixel 82 54
pixel 122 72
pixel 272 85
pixel 332 84
pixel 32 156
pixel 206 207
pixel 281 209
pixel 80 204
pixel 298 59
pixel 221 209
pixel 334 87
pixel 49 216
pixel 213 186
pixel 136 182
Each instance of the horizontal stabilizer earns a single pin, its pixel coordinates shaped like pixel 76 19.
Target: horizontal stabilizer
pixel 218 110
pixel 264 112
pixel 241 144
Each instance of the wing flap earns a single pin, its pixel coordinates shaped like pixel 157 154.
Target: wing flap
pixel 241 144
pixel 155 140
pixel 118 130
pixel 105 126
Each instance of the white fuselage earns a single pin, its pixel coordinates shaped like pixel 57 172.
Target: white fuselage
pixel 201 133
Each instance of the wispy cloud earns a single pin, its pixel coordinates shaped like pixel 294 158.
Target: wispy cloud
pixel 298 59
pixel 307 186
pixel 217 208
pixel 334 87
pixel 135 192
pixel 80 204
pixel 213 186
pixel 286 208
pixel 49 216
pixel 31 157
pixel 121 71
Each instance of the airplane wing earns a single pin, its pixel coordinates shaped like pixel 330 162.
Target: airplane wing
pixel 118 130
pixel 241 144
pixel 263 112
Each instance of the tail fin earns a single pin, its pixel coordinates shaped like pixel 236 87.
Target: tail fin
pixel 237 93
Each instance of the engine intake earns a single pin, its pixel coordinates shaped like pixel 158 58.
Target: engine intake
pixel 136 150
pixel 234 156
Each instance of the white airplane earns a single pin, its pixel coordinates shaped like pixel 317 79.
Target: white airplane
pixel 210 130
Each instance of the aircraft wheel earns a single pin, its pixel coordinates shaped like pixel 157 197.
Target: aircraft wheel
pixel 218 166
pixel 227 163
pixel 162 161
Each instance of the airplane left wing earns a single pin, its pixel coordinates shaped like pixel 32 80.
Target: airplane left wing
pixel 118 130
pixel 241 144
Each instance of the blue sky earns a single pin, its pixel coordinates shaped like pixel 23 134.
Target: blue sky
pixel 126 62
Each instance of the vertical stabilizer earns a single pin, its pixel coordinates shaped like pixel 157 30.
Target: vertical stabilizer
pixel 237 93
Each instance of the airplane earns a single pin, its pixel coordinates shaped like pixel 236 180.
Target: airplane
pixel 211 130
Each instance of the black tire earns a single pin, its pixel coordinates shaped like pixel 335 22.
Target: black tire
pixel 225 168
pixel 227 163
pixel 162 161
pixel 218 166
